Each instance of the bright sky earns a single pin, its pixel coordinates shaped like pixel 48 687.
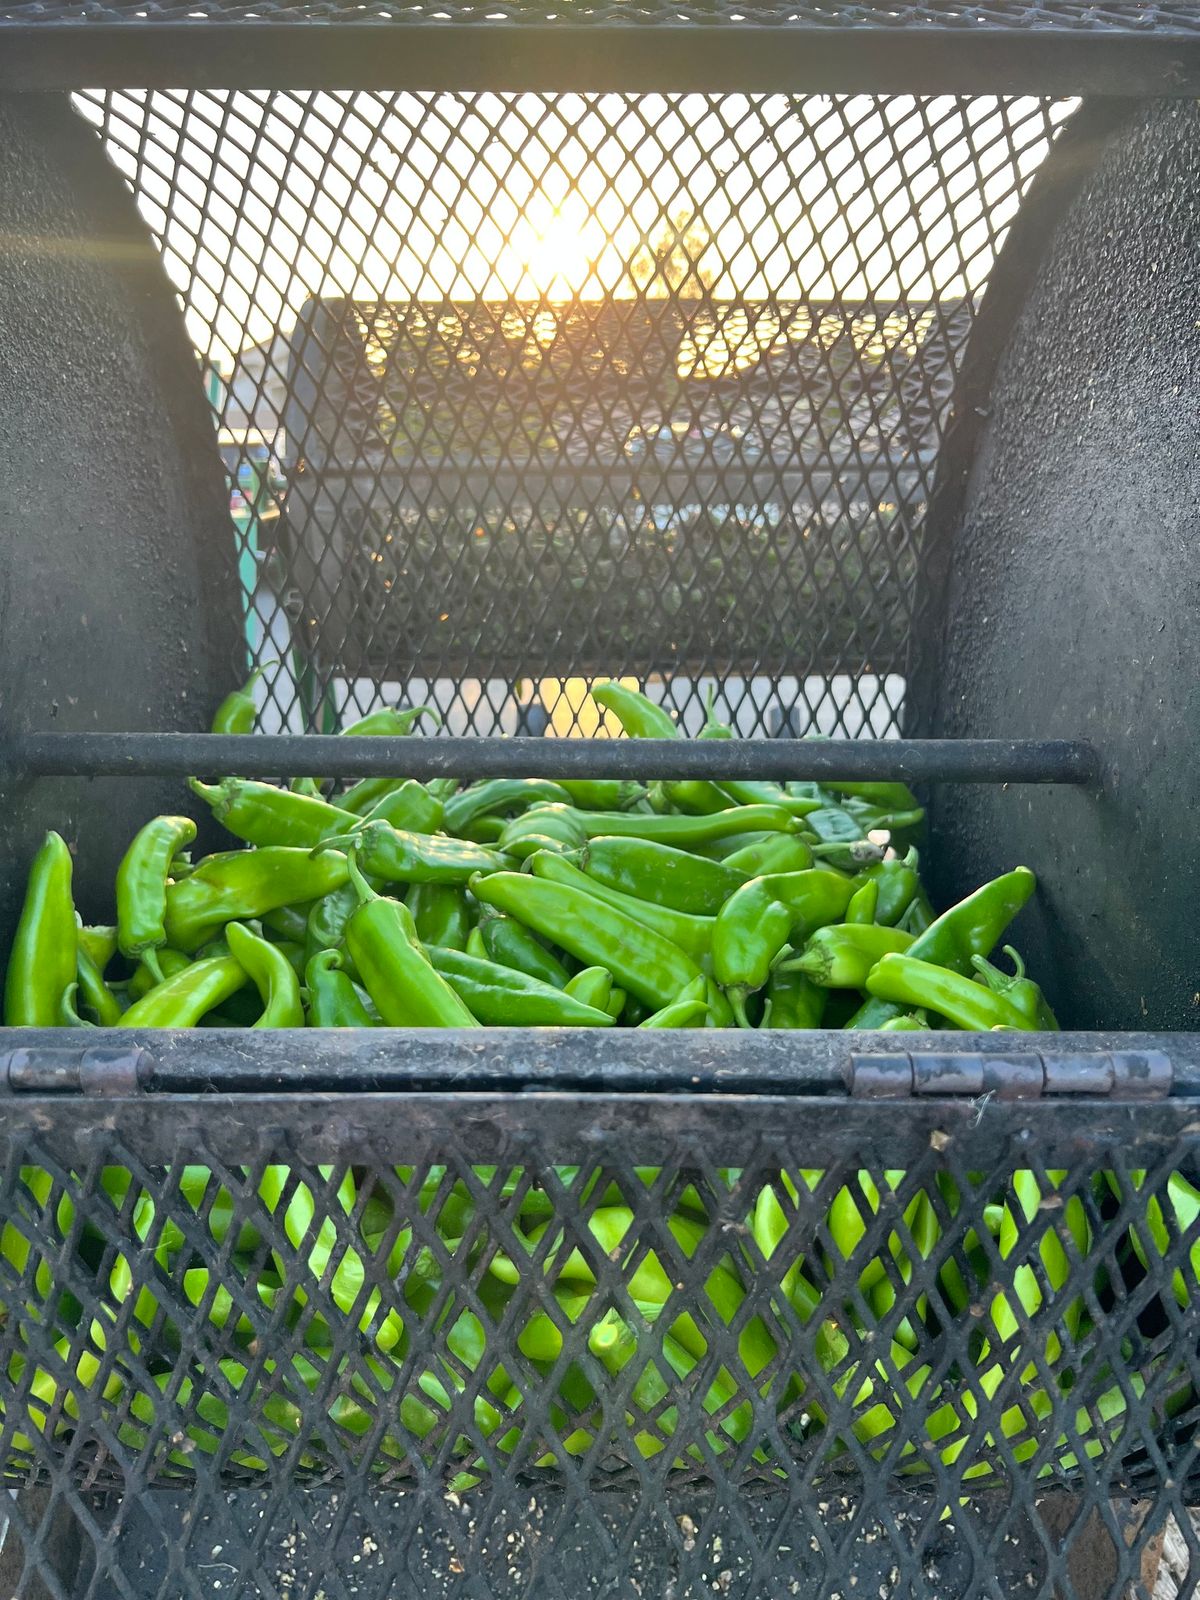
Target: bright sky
pixel 276 198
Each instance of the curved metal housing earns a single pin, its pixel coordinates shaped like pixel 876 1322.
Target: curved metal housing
pixel 117 608
pixel 1073 587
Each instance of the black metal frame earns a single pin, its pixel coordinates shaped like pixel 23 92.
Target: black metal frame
pixel 656 55
pixel 266 755
pixel 320 1124
pixel 582 1063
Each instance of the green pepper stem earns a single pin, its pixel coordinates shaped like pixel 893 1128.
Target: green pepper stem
pixel 362 888
pixel 210 792
pixel 862 850
pixel 341 841
pixel 999 982
pixel 1015 957
pixel 737 1002
pixel 152 965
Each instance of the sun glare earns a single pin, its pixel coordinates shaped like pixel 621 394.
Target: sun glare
pixel 555 255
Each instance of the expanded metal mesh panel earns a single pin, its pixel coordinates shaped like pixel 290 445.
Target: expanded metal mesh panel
pixel 1166 19
pixel 565 1373
pixel 520 389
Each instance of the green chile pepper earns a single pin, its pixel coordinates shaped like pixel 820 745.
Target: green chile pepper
pixel 100 944
pixel 360 797
pixel 840 955
pixel 1018 990
pixel 793 1000
pixel 325 926
pixel 864 903
pixel 407 805
pixel 333 1001
pixel 884 796
pixel 919 916
pixel 765 914
pixel 767 794
pixel 638 716
pixel 441 914
pixel 68 1010
pixel 271 973
pixel 388 723
pixel 644 963
pixel 180 1001
pixel 685 831
pixel 391 722
pixel 642 719
pixel 262 813
pixel 398 856
pixel 169 963
pixel 241 884
pixel 773 852
pixel 237 711
pixel 94 992
pixel 287 922
pixel 293 953
pixel 501 997
pixel 617 1002
pixel 732 844
pixel 42 961
pixel 676 879
pixel 713 727
pixel 501 795
pixel 543 827
pixel 484 830
pixel 603 794
pixel 840 839
pixel 394 968
pixel 689 1011
pixel 1184 1201
pixel 511 944
pixel 906 981
pixel 475 945
pixel 142 886
pixel 896 885
pixel 971 928
pixel 592 986
pixel 749 794
pixel 691 934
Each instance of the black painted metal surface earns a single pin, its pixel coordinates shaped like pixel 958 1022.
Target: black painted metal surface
pixel 581 1061
pixel 911 760
pixel 1075 589
pixel 115 592
pixel 1055 48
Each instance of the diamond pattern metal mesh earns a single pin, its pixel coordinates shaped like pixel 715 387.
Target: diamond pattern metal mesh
pixel 540 1379
pixel 1173 17
pixel 520 389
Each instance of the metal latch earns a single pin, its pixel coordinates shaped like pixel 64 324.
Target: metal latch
pixel 1011 1075
pixel 97 1070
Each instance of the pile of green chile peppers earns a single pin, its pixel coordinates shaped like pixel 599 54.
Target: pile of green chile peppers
pixel 699 904
pixel 850 1272
pixel 580 903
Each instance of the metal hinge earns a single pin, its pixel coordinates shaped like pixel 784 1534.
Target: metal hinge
pixel 97 1070
pixel 1015 1075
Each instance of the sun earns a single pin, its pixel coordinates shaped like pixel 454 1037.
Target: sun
pixel 554 255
